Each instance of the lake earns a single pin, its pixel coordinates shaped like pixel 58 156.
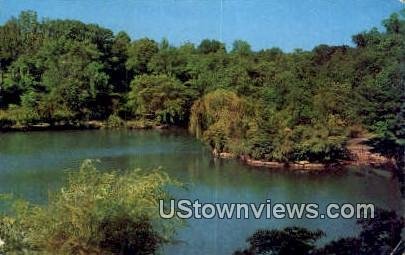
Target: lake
pixel 34 163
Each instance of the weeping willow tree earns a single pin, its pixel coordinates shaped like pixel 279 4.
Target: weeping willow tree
pixel 222 119
pixel 230 123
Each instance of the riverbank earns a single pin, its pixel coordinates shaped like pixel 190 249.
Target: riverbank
pixel 359 154
pixel 301 165
pixel 43 126
pixel 83 125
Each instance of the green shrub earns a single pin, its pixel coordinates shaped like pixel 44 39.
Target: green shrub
pixel 5 120
pixel 95 213
pixel 114 121
pixel 17 115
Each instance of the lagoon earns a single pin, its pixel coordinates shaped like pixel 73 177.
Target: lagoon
pixel 34 163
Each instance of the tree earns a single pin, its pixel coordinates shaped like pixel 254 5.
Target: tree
pixel 241 47
pixel 379 235
pixel 394 24
pixel 222 119
pixel 292 240
pixel 75 80
pixel 119 76
pixel 140 53
pixel 211 46
pixel 171 61
pixel 159 97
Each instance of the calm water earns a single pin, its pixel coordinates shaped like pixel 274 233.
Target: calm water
pixel 33 163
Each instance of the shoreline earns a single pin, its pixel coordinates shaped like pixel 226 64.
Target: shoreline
pixel 81 125
pixel 301 165
pixel 373 160
pixel 360 154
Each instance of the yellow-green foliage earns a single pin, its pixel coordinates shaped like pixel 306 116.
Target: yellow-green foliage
pixel 221 118
pixel 114 121
pixel 17 115
pixel 95 213
pixel 5 119
pixel 228 122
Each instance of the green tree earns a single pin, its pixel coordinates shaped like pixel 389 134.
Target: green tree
pixel 241 47
pixel 159 97
pixel 140 53
pixel 292 240
pixel 210 46
pixel 222 119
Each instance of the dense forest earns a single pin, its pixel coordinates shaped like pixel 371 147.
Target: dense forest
pixel 268 104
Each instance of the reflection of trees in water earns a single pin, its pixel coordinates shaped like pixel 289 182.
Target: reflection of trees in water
pixel 379 235
pixel 392 148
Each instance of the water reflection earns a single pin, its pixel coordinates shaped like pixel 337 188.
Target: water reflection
pixel 31 164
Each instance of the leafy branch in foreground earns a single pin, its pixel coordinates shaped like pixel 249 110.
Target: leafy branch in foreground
pixel 378 236
pixel 95 213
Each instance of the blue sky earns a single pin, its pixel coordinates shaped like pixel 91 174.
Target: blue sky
pixel 287 24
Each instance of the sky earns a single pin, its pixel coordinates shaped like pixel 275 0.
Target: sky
pixel 287 24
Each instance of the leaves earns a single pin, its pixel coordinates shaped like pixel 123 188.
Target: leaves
pixel 89 212
pixel 287 106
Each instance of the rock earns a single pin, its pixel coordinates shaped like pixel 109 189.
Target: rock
pixel 303 162
pixel 226 155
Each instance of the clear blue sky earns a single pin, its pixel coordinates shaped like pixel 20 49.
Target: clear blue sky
pixel 287 24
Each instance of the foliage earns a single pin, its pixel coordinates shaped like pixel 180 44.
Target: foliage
pixel 17 115
pixel 379 235
pixel 296 106
pixel 95 213
pixel 221 118
pixel 210 46
pixel 114 121
pixel 292 240
pixel 140 53
pixel 159 97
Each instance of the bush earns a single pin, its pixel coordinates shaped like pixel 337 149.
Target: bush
pixel 114 121
pixel 17 115
pixel 95 213
pixel 5 120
